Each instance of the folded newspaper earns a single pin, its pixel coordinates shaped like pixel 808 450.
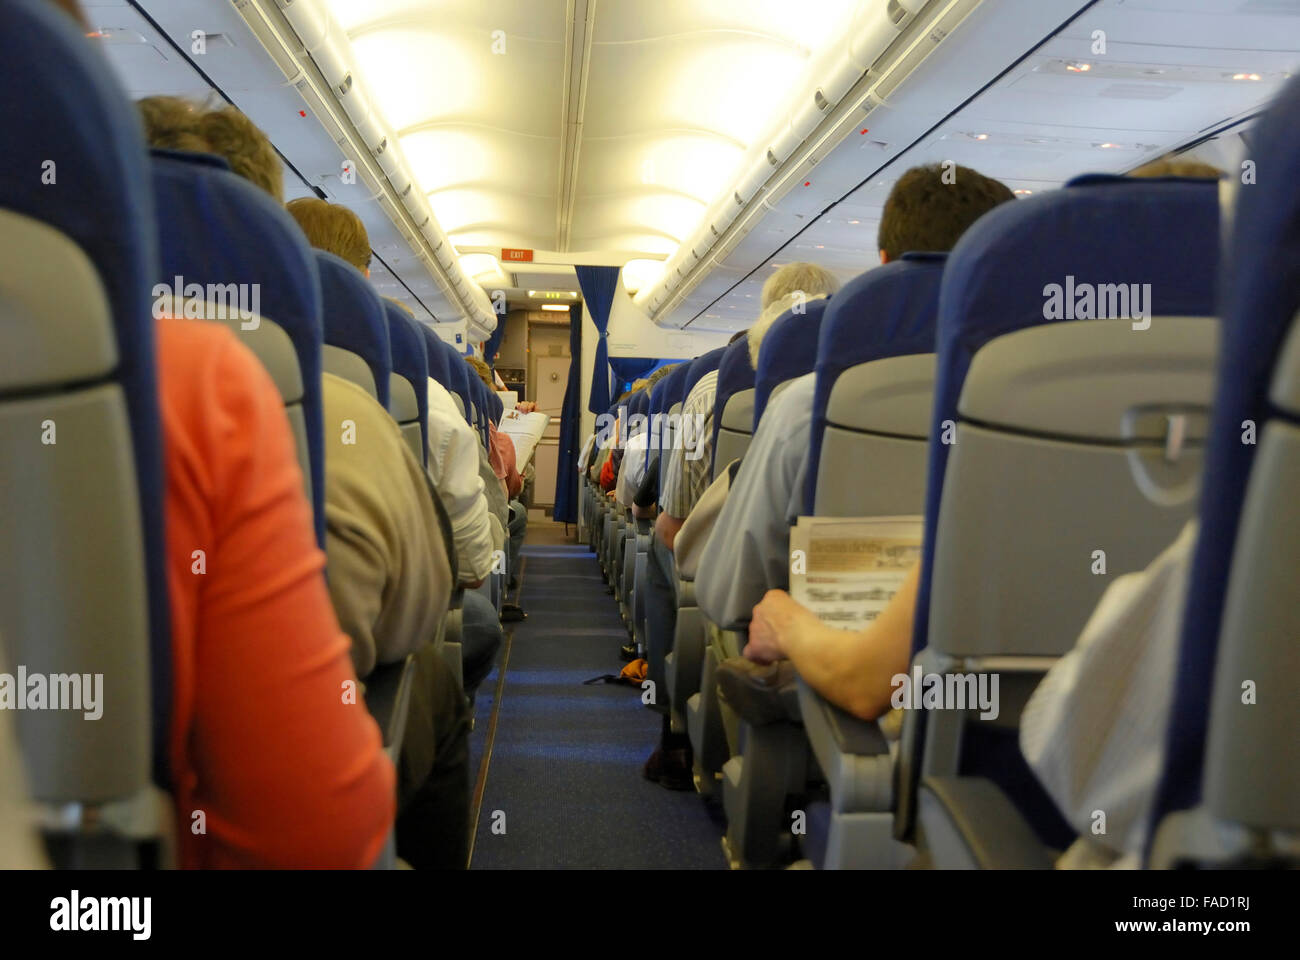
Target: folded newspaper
pixel 846 569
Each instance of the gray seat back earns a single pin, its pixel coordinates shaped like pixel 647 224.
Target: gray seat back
pixel 273 347
pixel 406 411
pixel 878 418
pixel 348 365
pixel 1079 443
pixel 72 561
pixel 736 429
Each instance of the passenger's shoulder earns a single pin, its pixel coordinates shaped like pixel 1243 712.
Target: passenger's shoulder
pixel 204 362
pixel 792 407
pixel 339 393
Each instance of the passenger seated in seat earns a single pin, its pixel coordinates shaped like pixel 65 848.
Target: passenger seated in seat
pixel 748 551
pixel 1093 731
pixel 287 771
pixel 685 478
pixel 632 470
pixel 336 229
pixel 390 575
pixel 501 453
pixel 454 466
pixel 390 581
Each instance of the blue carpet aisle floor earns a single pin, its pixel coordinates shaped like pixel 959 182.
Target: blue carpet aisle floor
pixel 564 770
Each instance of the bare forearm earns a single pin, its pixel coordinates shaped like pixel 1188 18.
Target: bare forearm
pixel 855 669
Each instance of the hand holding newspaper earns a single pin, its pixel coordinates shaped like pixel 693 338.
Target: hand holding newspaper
pixel 847 569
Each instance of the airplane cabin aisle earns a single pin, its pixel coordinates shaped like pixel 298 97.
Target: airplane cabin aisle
pixel 562 780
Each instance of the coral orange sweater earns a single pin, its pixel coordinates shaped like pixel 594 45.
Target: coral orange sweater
pixel 274 764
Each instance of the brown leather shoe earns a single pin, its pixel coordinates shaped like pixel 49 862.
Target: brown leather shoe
pixel 670 769
pixel 760 693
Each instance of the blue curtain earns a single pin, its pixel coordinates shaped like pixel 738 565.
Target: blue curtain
pixel 598 285
pixel 493 343
pixel 630 368
pixel 566 466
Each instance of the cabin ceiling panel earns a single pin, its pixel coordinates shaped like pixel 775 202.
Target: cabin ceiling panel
pixel 473 91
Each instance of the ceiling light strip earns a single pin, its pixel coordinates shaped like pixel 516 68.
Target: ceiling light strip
pixel 577 67
pixel 821 117
pixel 347 114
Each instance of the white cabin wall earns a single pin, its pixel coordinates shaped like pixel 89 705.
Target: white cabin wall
pixel 633 334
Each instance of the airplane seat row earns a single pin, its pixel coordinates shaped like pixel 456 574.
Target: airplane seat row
pixel 733 418
pixel 662 396
pixel 78 399
pixel 1043 472
pixel 409 386
pixel 788 351
pixel 99 229
pixel 1058 454
pixel 871 412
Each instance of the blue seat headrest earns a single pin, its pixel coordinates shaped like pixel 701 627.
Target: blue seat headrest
pixel 639 403
pixel 735 373
pixel 886 312
pixel 664 394
pixel 435 355
pixel 701 365
pixel 74 158
pixel 997 280
pixel 672 386
pixel 789 350
pixel 354 320
pixel 1261 298
pixel 216 227
pixel 457 378
pixel 410 361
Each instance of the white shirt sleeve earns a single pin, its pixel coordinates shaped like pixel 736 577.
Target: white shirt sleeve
pixel 453 465
pixel 632 471
pixel 748 552
pixel 588 451
pixel 1094 730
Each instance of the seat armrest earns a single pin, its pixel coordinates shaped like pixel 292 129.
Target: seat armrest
pixel 848 733
pixel 853 754
pixel 388 697
pixel 968 823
